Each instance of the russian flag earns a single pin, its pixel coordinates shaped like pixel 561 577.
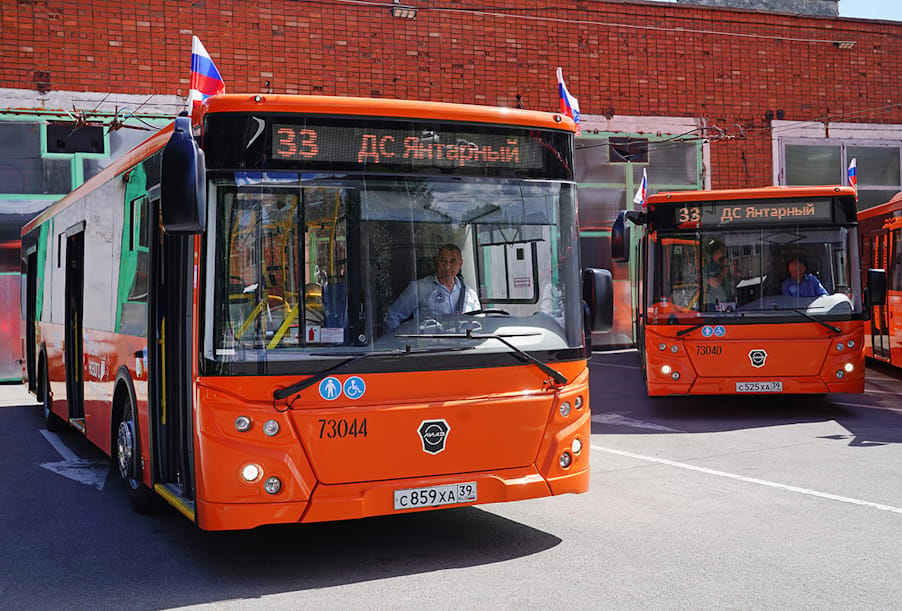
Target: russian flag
pixel 569 104
pixel 642 192
pixel 853 175
pixel 205 78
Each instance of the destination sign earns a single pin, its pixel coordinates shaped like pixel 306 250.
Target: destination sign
pixel 403 147
pixel 733 213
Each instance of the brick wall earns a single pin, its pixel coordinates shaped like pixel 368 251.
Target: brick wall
pixel 630 58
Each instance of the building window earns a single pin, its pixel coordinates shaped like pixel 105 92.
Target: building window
pixel 806 156
pixel 23 170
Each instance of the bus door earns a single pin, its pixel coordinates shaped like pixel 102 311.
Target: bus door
pixel 880 313
pixel 74 311
pixel 169 362
pixel 31 298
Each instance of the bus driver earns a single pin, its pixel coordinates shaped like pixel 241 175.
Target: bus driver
pixel 800 283
pixel 440 294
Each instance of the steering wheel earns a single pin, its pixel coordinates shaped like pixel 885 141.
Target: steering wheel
pixel 497 311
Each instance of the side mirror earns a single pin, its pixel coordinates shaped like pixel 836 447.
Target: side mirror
pixel 598 293
pixel 876 287
pixel 620 239
pixel 183 201
pixel 620 233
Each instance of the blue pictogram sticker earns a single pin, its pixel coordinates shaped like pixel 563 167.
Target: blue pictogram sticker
pixel 719 331
pixel 707 331
pixel 330 388
pixel 354 387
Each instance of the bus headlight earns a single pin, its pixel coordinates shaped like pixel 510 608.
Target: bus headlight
pixel 577 446
pixel 851 343
pixel 251 473
pixel 840 374
pixel 662 346
pixel 839 347
pixel 565 409
pixel 675 376
pixel 849 367
pixel 578 402
pixel 666 370
pixel 242 424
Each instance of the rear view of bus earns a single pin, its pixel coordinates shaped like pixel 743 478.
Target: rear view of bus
pixel 747 291
pixel 291 354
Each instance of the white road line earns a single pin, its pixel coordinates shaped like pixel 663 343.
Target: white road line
pixel 618 420
pixel 58 445
pixel 751 480
pixel 888 409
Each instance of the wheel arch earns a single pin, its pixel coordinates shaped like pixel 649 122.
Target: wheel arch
pixel 124 390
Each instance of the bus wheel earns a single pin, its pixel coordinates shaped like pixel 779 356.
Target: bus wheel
pixel 128 457
pixel 53 422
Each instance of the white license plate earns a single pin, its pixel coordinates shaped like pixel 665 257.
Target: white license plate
pixel 759 386
pixel 435 496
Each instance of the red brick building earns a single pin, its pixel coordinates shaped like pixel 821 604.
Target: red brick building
pixel 697 96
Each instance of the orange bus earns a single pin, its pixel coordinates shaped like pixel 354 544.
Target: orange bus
pixel 747 291
pixel 211 311
pixel 881 248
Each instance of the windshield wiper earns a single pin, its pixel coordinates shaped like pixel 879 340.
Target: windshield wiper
pixel 698 326
pixel 557 376
pixel 836 330
pixel 283 393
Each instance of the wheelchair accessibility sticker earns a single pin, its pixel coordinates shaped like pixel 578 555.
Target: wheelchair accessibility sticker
pixel 354 387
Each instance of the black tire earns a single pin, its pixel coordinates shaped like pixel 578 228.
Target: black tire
pixel 53 422
pixel 127 458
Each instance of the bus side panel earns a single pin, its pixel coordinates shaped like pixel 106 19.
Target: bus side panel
pixel 52 337
pixel 102 351
pixel 894 305
pixel 104 354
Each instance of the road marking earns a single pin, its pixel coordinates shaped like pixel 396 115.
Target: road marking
pixel 751 480
pixel 87 472
pixel 618 420
pixel 889 409
pixel 869 391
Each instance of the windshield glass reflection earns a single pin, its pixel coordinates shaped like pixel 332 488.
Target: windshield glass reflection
pixel 790 271
pixel 305 266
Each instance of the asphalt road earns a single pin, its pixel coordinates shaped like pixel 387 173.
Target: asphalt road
pixel 751 503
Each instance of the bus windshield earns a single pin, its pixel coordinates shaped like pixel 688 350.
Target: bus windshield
pixel 788 271
pixel 301 267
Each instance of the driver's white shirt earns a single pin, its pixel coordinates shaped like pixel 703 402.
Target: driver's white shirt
pixel 426 298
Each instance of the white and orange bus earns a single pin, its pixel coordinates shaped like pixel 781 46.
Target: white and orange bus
pixel 881 248
pixel 748 290
pixel 210 311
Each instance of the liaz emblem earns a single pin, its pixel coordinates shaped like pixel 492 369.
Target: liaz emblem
pixel 433 434
pixel 757 357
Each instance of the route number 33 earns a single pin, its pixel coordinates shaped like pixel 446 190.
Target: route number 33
pixel 689 215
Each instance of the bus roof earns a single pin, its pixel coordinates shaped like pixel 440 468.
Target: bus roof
pixel 756 193
pixel 894 204
pixel 316 105
pixel 382 108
